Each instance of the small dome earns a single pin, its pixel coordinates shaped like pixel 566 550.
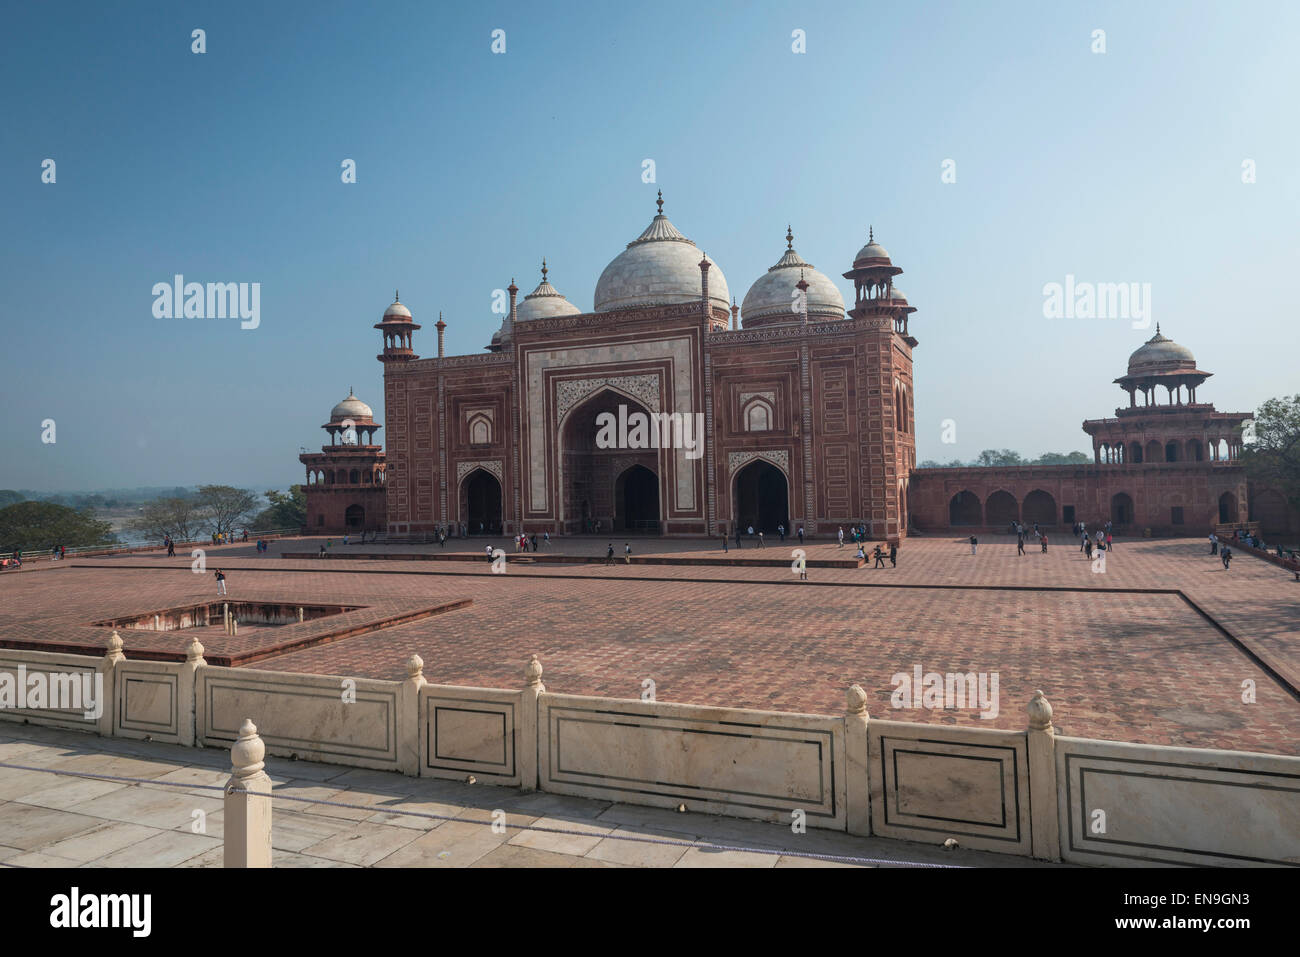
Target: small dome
pixel 351 408
pixel 772 296
pixel 659 267
pixel 1160 353
pixel 397 310
pixel 545 302
pixel 898 294
pixel 872 250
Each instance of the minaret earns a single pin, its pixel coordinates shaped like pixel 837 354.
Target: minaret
pixel 514 311
pixel 735 314
pixel 397 326
pixel 442 329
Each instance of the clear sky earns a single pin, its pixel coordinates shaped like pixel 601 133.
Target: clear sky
pixel 1123 166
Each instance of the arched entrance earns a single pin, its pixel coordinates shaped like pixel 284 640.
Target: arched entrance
pixel 354 517
pixel 636 501
pixel 480 503
pixel 1039 508
pixel 595 494
pixel 761 498
pixel 964 509
pixel 1121 509
pixel 1001 509
pixel 1135 453
pixel 1227 507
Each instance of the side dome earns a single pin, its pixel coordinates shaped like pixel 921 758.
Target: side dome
pixel 545 302
pixel 397 310
pixel 771 298
pixel 659 267
pixel 351 408
pixel 1160 353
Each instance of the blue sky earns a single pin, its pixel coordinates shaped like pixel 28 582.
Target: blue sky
pixel 1117 167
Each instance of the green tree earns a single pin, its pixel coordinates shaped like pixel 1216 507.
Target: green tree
pixel 1273 458
pixel 1059 458
pixel 995 458
pixel 285 511
pixel 179 518
pixel 225 507
pixel 39 526
pixel 9 497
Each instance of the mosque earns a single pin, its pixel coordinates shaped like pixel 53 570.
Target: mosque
pixel 807 412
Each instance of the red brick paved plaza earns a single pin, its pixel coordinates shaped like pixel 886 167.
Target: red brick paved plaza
pixel 1121 655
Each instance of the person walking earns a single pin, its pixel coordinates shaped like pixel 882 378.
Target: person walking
pixel 800 534
pixel 802 563
pixel 879 555
pixel 973 542
pixel 841 536
pixel 546 538
pixel 1087 549
pixel 760 540
pixel 893 554
pixel 738 542
pixel 1020 543
pixel 1214 544
pixel 1110 542
pixel 780 530
pixel 1226 555
pixel 609 554
pixel 487 550
pixel 627 553
pixel 1043 541
pixel 221 582
pixel 724 543
pixel 534 541
pixel 1085 541
pixel 171 548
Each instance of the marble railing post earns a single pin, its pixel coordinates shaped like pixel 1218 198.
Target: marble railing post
pixel 530 734
pixel 856 751
pixel 1044 823
pixel 248 803
pixel 108 691
pixel 408 716
pixel 187 687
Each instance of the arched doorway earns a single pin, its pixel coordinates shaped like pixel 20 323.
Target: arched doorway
pixel 636 501
pixel 1001 509
pixel 354 517
pixel 964 509
pixel 1155 452
pixel 1121 509
pixel 1135 453
pixel 480 503
pixel 1039 508
pixel 594 492
pixel 1171 452
pixel 761 498
pixel 1227 507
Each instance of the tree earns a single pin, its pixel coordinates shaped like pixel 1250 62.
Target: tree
pixel 1058 458
pixel 177 518
pixel 285 511
pixel 224 506
pixel 9 497
pixel 1273 458
pixel 994 458
pixel 39 526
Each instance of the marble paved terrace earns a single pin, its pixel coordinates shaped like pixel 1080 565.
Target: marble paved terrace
pixel 48 820
pixel 1119 655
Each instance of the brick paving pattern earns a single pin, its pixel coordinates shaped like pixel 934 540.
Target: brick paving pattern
pixel 1130 666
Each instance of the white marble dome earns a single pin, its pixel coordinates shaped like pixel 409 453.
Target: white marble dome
pixel 659 267
pixel 545 302
pixel 1160 350
pixel 872 250
pixel 772 295
pixel 351 408
pixel 397 310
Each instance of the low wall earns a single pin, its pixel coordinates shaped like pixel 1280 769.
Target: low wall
pixel 1019 792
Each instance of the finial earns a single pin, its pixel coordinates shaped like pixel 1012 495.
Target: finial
pixel 396 297
pixel 871 234
pixel 660 202
pixel 1157 328
pixel 789 237
pixel 543 269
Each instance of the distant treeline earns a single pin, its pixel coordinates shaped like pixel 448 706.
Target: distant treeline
pixel 109 498
pixel 1001 458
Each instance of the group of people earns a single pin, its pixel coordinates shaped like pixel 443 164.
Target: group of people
pixel 857 533
pixel 879 554
pixel 749 532
pixel 627 554
pixel 523 540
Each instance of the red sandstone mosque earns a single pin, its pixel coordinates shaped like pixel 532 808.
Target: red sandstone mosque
pixel 806 408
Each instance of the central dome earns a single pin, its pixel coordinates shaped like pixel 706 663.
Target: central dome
pixel 771 298
pixel 659 267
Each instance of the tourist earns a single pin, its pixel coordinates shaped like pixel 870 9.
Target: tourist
pixel 880 557
pixel 534 541
pixel 221 582
pixel 738 543
pixel 488 550
pixel 802 563
pixel 546 538
pixel 321 554
pixel 1110 542
pixel 724 543
pixel 780 530
pixel 171 548
pixel 800 534
pixel 760 540
pixel 1087 548
pixel 861 554
pixel 1226 555
pixel 1043 540
pixel 841 536
pixel 609 555
pixel 627 553
pixel 345 539
pixel 1085 544
pixel 1214 544
pixel 893 554
pixel 1020 543
pixel 973 542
